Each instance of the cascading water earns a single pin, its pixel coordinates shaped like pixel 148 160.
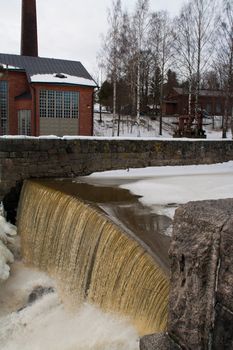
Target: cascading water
pixel 91 258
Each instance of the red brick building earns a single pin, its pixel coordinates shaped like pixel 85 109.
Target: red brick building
pixel 177 102
pixel 42 96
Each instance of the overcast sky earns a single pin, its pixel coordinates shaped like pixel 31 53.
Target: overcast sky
pixel 69 29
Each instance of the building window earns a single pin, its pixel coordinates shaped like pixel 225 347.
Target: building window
pixel 24 122
pixel 3 107
pixel 59 104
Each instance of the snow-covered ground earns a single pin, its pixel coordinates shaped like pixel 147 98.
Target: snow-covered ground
pixel 149 128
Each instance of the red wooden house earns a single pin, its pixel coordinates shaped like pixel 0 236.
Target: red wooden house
pixel 177 102
pixel 43 96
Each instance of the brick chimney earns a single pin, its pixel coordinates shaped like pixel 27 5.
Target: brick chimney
pixel 29 44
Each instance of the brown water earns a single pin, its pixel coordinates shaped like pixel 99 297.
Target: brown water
pixel 126 211
pixel 92 258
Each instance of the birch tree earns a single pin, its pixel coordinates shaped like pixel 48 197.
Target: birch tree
pixel 225 60
pixel 111 50
pixel 195 29
pixel 161 38
pixel 140 27
pixel 185 49
pixel 204 20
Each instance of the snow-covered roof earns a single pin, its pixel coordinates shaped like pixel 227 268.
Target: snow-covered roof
pixel 49 70
pixel 62 78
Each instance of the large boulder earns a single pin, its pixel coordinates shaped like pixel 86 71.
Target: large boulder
pixel 200 271
pixel 158 342
pixel 201 297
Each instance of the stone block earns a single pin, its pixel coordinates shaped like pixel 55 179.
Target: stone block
pixel 195 254
pixel 4 154
pixel 225 274
pixel 223 329
pixel 158 342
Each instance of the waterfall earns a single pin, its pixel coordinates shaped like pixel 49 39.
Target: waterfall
pixel 91 258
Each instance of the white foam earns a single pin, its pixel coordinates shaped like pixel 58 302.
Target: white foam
pixel 46 324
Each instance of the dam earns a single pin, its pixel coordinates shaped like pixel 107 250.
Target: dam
pixel 93 258
pixel 25 158
pixel 94 277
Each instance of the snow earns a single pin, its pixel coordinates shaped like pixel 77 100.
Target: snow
pixel 164 188
pixel 7 231
pixel 69 79
pixel 226 167
pixel 128 128
pixel 97 108
pixel 5 257
pixel 7 66
pixel 149 129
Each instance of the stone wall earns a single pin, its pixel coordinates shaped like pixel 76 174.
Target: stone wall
pixel 36 157
pixel 201 298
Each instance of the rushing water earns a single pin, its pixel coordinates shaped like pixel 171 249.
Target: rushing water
pixel 109 277
pixel 91 258
pixel 46 324
pixel 126 211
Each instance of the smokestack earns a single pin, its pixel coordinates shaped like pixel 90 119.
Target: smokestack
pixel 29 45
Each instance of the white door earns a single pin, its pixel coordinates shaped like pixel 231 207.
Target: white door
pixel 24 122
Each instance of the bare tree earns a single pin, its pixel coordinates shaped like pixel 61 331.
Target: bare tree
pixel 140 27
pixel 184 48
pixel 161 38
pixel 204 19
pixel 210 80
pixel 225 61
pixel 110 52
pixel 194 44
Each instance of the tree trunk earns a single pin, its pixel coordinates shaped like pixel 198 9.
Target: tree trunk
pixel 161 94
pixel 198 67
pixel 161 111
pixel 231 123
pixel 190 99
pixel 114 107
pixel 118 124
pixel 100 112
pixel 225 119
pixel 138 94
pixel 228 105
